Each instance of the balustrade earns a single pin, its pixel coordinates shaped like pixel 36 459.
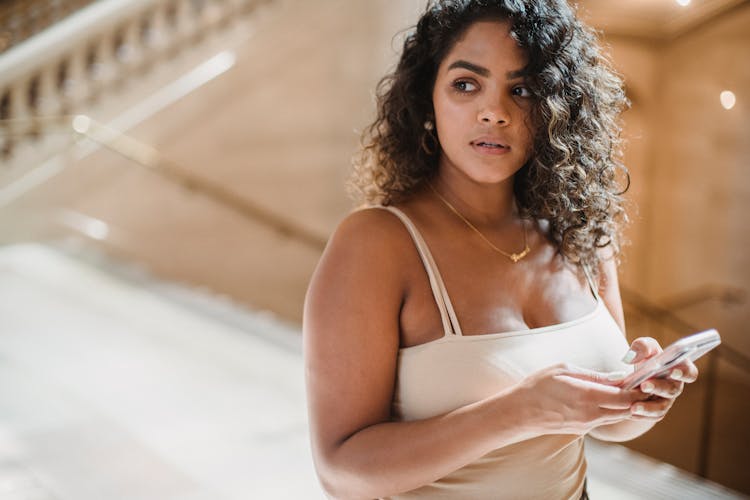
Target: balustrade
pixel 87 50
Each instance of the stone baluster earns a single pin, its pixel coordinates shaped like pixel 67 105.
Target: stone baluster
pixel 6 139
pixel 76 87
pixel 150 37
pixel 130 53
pixel 47 106
pixel 187 26
pixel 104 70
pixel 158 36
pixel 213 14
pixel 48 101
pixel 18 127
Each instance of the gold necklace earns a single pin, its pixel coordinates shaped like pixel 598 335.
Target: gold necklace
pixel 515 257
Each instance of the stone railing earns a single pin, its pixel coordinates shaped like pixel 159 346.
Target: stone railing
pixel 73 65
pixel 22 19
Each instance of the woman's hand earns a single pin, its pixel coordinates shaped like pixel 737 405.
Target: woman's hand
pixel 662 392
pixel 565 399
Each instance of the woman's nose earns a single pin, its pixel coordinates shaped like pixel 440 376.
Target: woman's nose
pixel 494 114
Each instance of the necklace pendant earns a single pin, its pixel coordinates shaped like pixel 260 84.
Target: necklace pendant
pixel 515 257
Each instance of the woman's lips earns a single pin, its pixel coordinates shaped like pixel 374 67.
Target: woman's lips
pixel 490 147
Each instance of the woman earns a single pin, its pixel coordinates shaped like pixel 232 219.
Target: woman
pixel 465 331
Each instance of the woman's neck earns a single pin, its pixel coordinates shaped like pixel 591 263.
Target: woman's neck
pixel 489 205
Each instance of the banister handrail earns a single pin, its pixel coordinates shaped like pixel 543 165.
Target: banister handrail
pixel 22 19
pixel 728 295
pixel 667 317
pixel 151 158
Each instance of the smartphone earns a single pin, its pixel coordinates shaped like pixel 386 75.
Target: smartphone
pixel 691 347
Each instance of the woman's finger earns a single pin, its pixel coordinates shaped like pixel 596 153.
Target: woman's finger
pixel 684 372
pixel 611 416
pixel 641 349
pixel 650 419
pixel 606 378
pixel 623 399
pixel 652 409
pixel 662 387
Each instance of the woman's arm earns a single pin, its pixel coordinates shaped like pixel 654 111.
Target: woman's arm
pixel 351 341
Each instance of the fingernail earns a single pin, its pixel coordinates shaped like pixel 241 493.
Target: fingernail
pixel 629 356
pixel 638 409
pixel 647 387
pixel 616 375
pixel 676 374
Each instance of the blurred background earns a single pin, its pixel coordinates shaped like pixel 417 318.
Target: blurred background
pixel 170 171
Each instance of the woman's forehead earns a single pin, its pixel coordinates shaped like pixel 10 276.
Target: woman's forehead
pixel 487 43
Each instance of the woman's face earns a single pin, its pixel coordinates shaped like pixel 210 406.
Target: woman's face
pixel 482 105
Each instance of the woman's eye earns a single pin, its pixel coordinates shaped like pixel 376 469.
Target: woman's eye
pixel 522 91
pixel 464 86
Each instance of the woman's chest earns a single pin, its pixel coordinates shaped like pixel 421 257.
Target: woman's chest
pixel 454 371
pixel 488 300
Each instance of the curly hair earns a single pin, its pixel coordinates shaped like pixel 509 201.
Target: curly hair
pixel 571 179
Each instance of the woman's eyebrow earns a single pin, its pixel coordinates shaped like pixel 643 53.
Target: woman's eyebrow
pixel 482 71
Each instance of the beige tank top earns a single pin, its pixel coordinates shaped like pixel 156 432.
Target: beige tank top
pixel 455 370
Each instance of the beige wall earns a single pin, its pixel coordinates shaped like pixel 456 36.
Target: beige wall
pixel 689 161
pixel 701 182
pixel 690 164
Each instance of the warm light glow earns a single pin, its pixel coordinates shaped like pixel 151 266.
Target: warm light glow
pixel 81 123
pixel 91 227
pixel 727 99
pixel 683 2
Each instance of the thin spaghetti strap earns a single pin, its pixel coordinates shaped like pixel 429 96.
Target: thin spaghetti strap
pixel 439 292
pixel 592 285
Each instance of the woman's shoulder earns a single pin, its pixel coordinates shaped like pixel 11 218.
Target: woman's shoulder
pixel 369 248
pixel 372 234
pixel 373 224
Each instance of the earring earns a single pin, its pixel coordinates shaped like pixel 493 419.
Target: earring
pixel 429 140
